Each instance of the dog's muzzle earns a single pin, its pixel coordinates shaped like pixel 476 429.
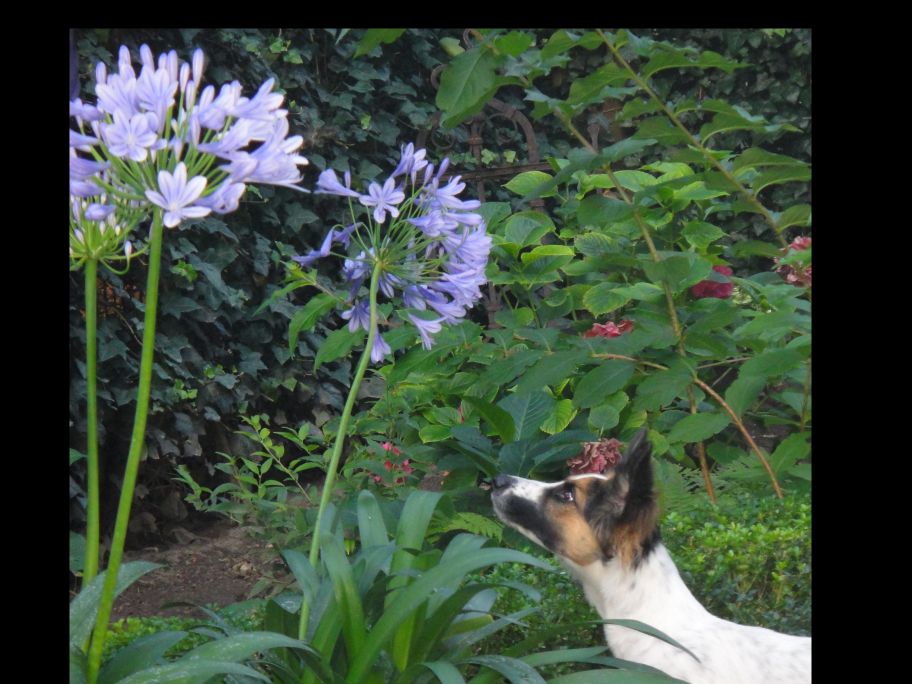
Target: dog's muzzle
pixel 501 482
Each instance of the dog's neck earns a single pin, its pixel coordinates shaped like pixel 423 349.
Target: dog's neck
pixel 650 590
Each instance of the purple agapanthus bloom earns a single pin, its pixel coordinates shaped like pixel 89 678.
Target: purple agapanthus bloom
pixel 380 348
pixel 432 252
pixel 383 199
pixel 178 196
pixel 358 316
pixel 160 114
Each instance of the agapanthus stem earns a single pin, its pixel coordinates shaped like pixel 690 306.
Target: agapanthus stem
pixel 90 565
pixel 340 437
pixel 137 440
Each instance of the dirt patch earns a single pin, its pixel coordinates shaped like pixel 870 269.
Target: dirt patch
pixel 217 564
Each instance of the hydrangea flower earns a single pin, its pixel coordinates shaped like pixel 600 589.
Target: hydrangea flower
pixel 159 139
pixel 712 288
pixel 430 244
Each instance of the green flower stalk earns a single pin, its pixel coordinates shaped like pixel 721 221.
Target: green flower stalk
pixel 150 147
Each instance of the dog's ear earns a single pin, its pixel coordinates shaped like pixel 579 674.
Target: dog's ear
pixel 623 511
pixel 635 469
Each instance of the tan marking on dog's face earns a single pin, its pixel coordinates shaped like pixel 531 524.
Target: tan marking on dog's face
pixel 578 540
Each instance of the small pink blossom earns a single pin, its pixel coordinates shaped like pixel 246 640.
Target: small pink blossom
pixel 609 329
pixel 596 457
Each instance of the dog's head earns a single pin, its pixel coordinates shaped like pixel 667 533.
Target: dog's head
pixel 587 518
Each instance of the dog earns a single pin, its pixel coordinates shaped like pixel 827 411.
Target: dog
pixel 604 528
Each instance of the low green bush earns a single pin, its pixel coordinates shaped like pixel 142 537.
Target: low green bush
pixel 746 560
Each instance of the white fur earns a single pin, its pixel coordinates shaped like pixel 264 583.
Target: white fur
pixel 654 593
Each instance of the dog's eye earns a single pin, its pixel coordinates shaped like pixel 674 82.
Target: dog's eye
pixel 565 495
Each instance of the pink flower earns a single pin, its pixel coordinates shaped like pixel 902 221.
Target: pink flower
pixel 710 288
pixel 609 329
pixel 407 467
pixel 388 446
pixel 796 274
pixel 596 457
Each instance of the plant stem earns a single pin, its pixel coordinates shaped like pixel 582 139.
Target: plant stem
pixel 137 441
pixel 340 438
pixel 90 565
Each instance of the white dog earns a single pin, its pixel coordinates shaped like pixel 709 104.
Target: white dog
pixel 603 527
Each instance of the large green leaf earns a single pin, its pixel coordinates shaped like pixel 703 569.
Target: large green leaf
pixel 191 672
pixel 497 418
pixel 742 393
pixel 445 671
pixel 466 84
pixel 527 227
pixel 698 427
pixel 354 629
pixel 528 411
pixel 84 607
pixel 514 669
pixel 772 363
pixel 792 174
pixel 795 215
pixel 601 381
pixel 559 418
pixel 599 211
pixel 371 527
pixel 527 182
pixel 661 387
pixel 790 450
pixel 551 369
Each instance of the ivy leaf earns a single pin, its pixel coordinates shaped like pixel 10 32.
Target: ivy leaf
pixel 373 37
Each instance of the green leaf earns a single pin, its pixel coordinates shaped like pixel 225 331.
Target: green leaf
pixel 659 129
pixel 561 415
pixel 601 381
pixel 593 244
pixel 515 670
pixel 779 176
pixel 604 417
pixel 743 392
pixel 527 181
pixel 679 271
pixel 514 43
pixel 604 298
pixel 373 37
pixel 497 418
pixel 445 671
pixel 191 672
pixel 550 370
pixel 143 653
pixel 306 318
pixel 466 84
pixel 698 427
pixel 600 84
pixel 757 157
pixel 371 527
pixel 790 450
pixel 675 59
pixel 77 552
pixel 546 258
pixel 661 388
pixel 528 412
pixel 504 370
pixel 434 433
pixel 701 234
pixel 84 607
pixel 75 456
pixel 354 630
pixel 600 211
pixel 338 344
pixel 527 227
pixel 795 215
pixel 772 363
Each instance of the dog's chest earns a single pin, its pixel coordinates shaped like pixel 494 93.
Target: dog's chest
pixel 655 595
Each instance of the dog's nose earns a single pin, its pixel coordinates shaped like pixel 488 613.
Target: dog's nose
pixel 501 481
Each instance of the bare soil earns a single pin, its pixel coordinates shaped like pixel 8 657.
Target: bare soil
pixel 217 563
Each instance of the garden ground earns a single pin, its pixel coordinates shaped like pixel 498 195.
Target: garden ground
pixel 216 563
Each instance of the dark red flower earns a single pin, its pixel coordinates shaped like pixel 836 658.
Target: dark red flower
pixel 596 457
pixel 609 329
pixel 407 467
pixel 388 464
pixel 710 288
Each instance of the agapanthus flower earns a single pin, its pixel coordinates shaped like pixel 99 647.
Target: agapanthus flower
pixel 431 248
pixel 712 288
pixel 179 147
